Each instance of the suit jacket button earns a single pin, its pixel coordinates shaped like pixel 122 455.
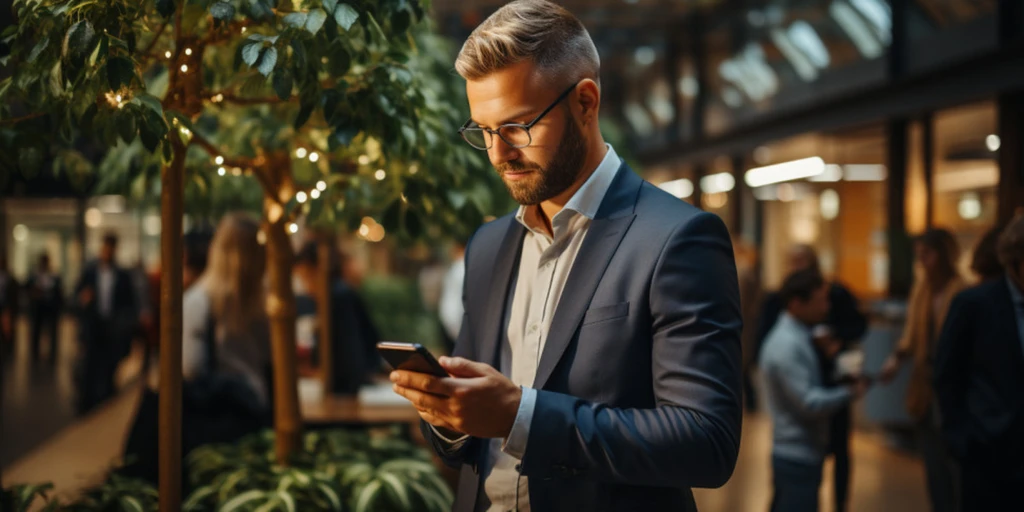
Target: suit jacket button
pixel 519 468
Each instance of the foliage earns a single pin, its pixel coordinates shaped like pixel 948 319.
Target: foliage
pixel 117 494
pixel 336 470
pixel 263 84
pixel 396 308
pixel 20 497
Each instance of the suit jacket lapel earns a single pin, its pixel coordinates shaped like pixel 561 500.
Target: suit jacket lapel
pixel 500 283
pixel 602 240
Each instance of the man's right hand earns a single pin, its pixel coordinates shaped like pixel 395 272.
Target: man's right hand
pixel 889 369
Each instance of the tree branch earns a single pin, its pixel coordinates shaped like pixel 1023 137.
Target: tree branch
pixel 238 100
pixel 16 120
pixel 226 33
pixel 156 37
pixel 246 163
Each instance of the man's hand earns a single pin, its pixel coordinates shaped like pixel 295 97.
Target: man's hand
pixel 476 400
pixel 85 296
pixel 889 369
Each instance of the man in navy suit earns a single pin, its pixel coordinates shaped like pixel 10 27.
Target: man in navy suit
pixel 979 382
pixel 598 364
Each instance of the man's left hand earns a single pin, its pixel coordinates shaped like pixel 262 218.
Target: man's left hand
pixel 476 400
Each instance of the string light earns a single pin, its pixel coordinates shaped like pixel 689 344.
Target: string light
pixel 118 98
pixel 314 156
pixel 237 171
pixel 184 68
pixel 300 197
pixel 321 185
pixel 380 175
pixel 243 30
pixel 188 51
pixel 414 169
pixel 300 153
pixel 293 228
pixel 218 98
pixel 364 159
pixel 315 194
pixel 167 54
pixel 222 171
pixel 219 160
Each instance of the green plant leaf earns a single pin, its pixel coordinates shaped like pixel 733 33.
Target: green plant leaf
pixel 80 39
pixel 165 8
pixel 149 101
pixel 376 27
pixel 299 55
pixel 400 21
pixel 315 20
pixel 126 126
pixel 261 9
pixel 37 50
pixel 223 11
pixel 238 502
pixel 330 5
pixel 29 161
pixel 305 110
pixel 296 19
pixel 267 61
pixel 251 52
pixel 367 496
pixel 283 82
pixel 120 72
pixel 395 487
pixel 346 16
pixel 130 504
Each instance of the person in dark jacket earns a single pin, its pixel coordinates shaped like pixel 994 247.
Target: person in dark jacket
pixel 46 300
pixel 848 324
pixel 108 315
pixel 979 379
pixel 9 288
pixel 354 338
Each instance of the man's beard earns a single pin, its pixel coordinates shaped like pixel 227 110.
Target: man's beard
pixel 557 177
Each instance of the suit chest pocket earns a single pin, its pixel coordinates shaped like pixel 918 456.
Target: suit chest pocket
pixel 606 313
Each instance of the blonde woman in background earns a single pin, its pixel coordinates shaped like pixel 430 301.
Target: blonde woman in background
pixel 937 254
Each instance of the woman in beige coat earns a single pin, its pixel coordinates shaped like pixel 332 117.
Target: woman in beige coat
pixel 938 282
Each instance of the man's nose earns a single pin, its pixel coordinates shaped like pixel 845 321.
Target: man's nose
pixel 501 152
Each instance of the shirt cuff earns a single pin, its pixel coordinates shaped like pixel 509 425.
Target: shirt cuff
pixel 454 444
pixel 515 443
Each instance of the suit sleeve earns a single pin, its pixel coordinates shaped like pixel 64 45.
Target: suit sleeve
pixel 952 366
pixel 797 384
pixel 850 323
pixel 691 437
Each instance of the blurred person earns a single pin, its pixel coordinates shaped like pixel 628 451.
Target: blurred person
pixel 985 260
pixel 848 324
pixel 450 309
pixel 979 382
pixel 353 335
pixel 799 402
pixel 598 365
pixel 9 291
pixel 108 314
pixel 46 302
pixel 938 282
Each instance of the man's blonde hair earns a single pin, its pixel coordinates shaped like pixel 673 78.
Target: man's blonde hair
pixel 538 30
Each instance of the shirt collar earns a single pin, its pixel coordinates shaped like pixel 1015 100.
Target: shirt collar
pixel 586 201
pixel 787 318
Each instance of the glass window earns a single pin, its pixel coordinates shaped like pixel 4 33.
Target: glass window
pixel 945 31
pixel 648 103
pixel 836 210
pixel 966 176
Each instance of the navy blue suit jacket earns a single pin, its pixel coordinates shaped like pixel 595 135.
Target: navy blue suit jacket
pixel 639 380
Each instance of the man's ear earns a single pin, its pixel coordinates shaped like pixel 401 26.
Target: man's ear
pixel 589 100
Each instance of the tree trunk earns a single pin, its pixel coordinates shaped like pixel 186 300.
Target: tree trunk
pixel 171 202
pixel 281 310
pixel 325 255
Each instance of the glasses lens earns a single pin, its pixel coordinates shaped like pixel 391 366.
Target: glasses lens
pixel 515 135
pixel 477 138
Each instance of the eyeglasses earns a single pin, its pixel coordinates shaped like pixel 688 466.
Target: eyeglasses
pixel 515 135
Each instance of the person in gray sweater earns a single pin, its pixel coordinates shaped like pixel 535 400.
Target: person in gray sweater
pixel 799 403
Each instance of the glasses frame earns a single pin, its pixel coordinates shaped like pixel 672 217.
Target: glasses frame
pixel 469 125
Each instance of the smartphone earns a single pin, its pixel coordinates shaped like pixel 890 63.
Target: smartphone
pixel 412 357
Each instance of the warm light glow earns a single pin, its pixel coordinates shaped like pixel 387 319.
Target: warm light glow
pixel 261 237
pixel 785 171
pixel 380 175
pixel 714 200
pixel 321 185
pixel 188 51
pixel 681 188
pixel 786 192
pixel 992 142
pixel 413 169
pixel 376 233
pixel 93 217
pixel 219 160
pixel 314 156
pixel 243 30
pixel 300 197
pixel 151 225
pixel 864 172
pixel 274 212
pixel 167 54
pixel 218 98
pixel 363 159
pixel 969 206
pixel 315 194
pixel 300 152
pixel 118 98
pixel 364 230
pixel 828 203
pixel 832 174
pixel 184 68
pixel 237 171
pixel 717 183
pixel 293 228
pixel 222 171
pixel 20 233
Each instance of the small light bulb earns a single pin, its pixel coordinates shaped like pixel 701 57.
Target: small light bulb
pixel 293 228
pixel 314 156
pixel 219 160
pixel 243 30
pixel 300 153
pixel 168 54
pixel 364 159
pixel 118 98
pixel 218 98
pixel 380 175
pixel 414 169
pixel 300 197
pixel 222 171
pixel 188 51
pixel 321 185
pixel 184 68
pixel 315 194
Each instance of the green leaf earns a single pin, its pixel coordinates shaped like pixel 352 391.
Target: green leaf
pixel 330 5
pixel 392 484
pixel 4 60
pixel 346 16
pixel 242 499
pixel 29 160
pixel 80 39
pixel 251 52
pixel 149 101
pixel 56 79
pixel 37 50
pixel 367 496
pixel 261 9
pixel 343 136
pixel 126 126
pixel 376 27
pixel 400 22
pixel 131 504
pixel 165 8
pixel 120 72
pixel 267 61
pixel 296 19
pixel 283 82
pixel 222 11
pixel 315 20
pixel 299 55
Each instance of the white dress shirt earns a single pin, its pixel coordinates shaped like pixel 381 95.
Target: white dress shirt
pixel 544 266
pixel 105 277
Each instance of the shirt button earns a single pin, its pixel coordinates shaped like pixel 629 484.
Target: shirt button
pixel 533 328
